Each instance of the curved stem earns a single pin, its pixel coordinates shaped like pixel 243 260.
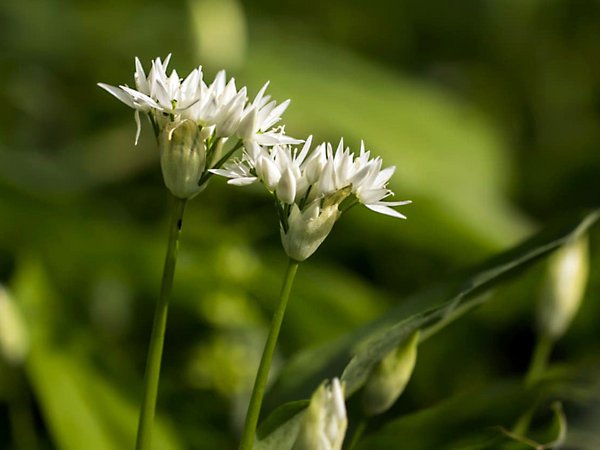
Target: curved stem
pixel 155 348
pixel 360 429
pixel 537 367
pixel 262 375
pixel 539 360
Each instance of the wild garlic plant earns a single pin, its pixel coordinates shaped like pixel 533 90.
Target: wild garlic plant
pixel 194 124
pixel 311 189
pixel 198 127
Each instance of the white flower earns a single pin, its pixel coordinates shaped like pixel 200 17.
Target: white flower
pixel 313 188
pixel 259 119
pixel 324 423
pixel 164 97
pixel 218 111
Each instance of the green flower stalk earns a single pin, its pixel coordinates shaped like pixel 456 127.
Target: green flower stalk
pixel 561 297
pixel 155 348
pixel 311 190
pixel 192 122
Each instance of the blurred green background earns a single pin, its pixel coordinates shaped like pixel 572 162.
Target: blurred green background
pixel 490 110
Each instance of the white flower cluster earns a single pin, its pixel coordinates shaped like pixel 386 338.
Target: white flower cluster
pixel 193 120
pixel 325 421
pixel 313 188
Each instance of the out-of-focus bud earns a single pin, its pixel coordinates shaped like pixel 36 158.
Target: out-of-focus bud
pixel 308 229
pixel 389 378
pixel 182 158
pixel 564 288
pixel 324 423
pixel 14 340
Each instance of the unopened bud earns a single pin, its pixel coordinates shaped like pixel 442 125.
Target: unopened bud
pixel 307 229
pixel 390 376
pixel 564 288
pixel 14 340
pixel 286 188
pixel 324 423
pixel 182 158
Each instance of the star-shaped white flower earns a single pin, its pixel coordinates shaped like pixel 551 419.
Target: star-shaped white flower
pixel 310 187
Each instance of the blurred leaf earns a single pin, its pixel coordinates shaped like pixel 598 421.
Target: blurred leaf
pixel 449 160
pixel 80 407
pixel 356 353
pixel 470 420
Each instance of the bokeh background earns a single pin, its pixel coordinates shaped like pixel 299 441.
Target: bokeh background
pixel 490 110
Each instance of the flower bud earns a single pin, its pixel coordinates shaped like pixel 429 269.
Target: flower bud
pixel 268 171
pixel 390 376
pixel 182 158
pixel 247 126
pixel 324 423
pixel 564 288
pixel 286 188
pixel 14 340
pixel 307 229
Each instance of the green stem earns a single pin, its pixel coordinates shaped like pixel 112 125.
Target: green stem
pixel 262 375
pixel 537 367
pixel 155 348
pixel 21 419
pixel 539 360
pixel 360 429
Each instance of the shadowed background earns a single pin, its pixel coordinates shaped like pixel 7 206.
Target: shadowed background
pixel 488 109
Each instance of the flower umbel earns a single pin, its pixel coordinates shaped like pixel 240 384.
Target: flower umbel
pixel 313 188
pixel 188 112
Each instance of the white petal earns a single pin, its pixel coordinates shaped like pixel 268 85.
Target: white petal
pixel 243 181
pixel 300 158
pixel 259 97
pixel 404 202
pixel 141 81
pixel 136 116
pixel 382 209
pixel 272 138
pixel 384 176
pixel 118 93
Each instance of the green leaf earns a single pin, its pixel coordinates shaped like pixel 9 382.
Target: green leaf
pixel 281 415
pixel 353 355
pixel 428 135
pixel 81 408
pixel 469 420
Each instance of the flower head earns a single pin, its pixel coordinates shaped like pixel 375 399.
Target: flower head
pixel 219 111
pixel 324 423
pixel 313 188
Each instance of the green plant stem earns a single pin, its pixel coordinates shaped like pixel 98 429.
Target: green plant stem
pixel 21 418
pixel 539 360
pixel 360 429
pixel 155 348
pixel 537 367
pixel 262 375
